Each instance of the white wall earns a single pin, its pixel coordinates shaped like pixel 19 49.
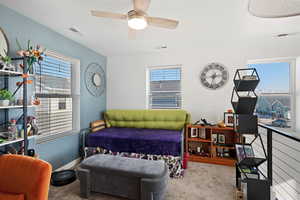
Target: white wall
pixel 297 93
pixel 126 78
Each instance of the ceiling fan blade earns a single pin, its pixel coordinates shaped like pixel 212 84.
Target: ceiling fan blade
pixel 108 15
pixel 142 5
pixel 162 22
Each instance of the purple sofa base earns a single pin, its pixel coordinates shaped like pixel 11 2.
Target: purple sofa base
pixel 136 140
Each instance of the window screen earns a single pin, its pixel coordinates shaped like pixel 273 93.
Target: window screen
pixel 165 88
pixel 53 88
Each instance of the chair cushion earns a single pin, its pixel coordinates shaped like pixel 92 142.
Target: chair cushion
pixel 154 119
pixel 25 175
pixel 10 196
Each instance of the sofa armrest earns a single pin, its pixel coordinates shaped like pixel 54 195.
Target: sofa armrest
pixel 188 119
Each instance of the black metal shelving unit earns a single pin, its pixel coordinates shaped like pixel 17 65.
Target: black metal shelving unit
pixel 24 75
pixel 243 100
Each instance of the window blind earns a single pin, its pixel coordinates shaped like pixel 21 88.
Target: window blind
pixel 53 88
pixel 165 88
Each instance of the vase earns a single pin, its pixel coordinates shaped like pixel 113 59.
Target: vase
pixel 4 102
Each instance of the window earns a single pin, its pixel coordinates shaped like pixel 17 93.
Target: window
pixel 275 93
pixel 53 86
pixel 165 88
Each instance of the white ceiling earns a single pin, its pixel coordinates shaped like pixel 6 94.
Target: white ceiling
pixel 203 23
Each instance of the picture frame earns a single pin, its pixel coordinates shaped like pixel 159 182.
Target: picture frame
pixel 221 139
pixel 229 119
pixel 194 132
pixel 202 133
pixel 214 138
pixel 244 151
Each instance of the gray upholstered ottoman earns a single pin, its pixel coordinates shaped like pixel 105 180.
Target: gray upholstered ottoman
pixel 125 177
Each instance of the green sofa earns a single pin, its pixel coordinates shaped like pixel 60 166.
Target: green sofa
pixel 174 120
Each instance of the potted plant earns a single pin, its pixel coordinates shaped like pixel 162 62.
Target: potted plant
pixel 5 97
pixel 5 62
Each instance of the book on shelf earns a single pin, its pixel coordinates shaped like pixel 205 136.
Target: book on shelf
pixel 202 133
pixel 249 173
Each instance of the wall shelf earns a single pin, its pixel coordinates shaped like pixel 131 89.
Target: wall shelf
pixel 14 141
pixel 12 73
pixel 16 107
pixel 6 74
pixel 9 73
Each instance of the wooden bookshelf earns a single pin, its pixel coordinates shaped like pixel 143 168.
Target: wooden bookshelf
pixel 212 144
pixel 217 161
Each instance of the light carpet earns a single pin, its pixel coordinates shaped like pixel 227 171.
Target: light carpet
pixel 201 182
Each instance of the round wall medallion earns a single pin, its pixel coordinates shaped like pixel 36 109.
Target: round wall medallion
pixel 95 79
pixel 214 76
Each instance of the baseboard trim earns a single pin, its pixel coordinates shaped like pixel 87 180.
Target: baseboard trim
pixel 69 165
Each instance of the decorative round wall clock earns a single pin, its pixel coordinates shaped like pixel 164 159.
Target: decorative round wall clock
pixel 214 76
pixel 95 79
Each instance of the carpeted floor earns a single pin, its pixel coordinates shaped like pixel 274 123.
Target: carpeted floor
pixel 201 182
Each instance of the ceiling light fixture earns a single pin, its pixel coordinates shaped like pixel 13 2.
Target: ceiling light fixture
pixel 274 8
pixel 137 20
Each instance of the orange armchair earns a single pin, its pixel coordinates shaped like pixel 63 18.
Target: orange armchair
pixel 24 178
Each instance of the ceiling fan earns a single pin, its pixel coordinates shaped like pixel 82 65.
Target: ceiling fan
pixel 137 18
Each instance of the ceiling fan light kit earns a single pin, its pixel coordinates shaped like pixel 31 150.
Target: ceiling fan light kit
pixel 137 20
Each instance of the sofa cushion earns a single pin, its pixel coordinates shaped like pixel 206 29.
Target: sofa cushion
pixel 154 119
pixel 10 196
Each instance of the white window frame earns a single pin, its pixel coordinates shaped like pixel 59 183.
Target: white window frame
pixel 75 86
pixel 148 82
pixel 292 63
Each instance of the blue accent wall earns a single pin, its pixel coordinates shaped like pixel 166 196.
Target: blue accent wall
pixel 63 150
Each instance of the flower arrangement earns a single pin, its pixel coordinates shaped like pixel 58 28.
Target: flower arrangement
pixel 33 54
